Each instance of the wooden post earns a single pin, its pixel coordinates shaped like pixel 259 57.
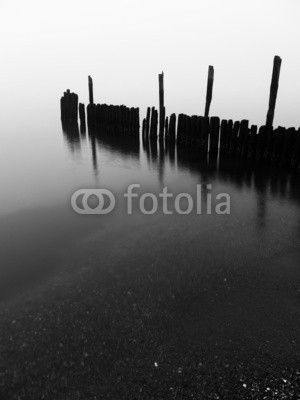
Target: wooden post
pixel 69 107
pixel 204 135
pixel 252 143
pixel 223 136
pixel 194 128
pixel 180 127
pixel 273 90
pixel 245 149
pixel 243 133
pixel 91 94
pixel 295 161
pixel 161 104
pixel 261 143
pixel 148 121
pixel 234 138
pixel 210 82
pixel 214 128
pixel 198 130
pixel 154 123
pixel 229 135
pixel 144 129
pixel 288 147
pixel 279 135
pixel 82 114
pixel 172 127
pixel 167 127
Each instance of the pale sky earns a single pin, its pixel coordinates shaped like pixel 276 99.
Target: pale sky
pixel 49 46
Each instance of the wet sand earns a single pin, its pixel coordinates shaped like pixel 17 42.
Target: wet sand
pixel 151 309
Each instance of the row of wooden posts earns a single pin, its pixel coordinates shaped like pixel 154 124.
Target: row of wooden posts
pixel 279 146
pixel 115 119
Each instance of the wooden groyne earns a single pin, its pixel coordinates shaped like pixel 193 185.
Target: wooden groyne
pixel 279 146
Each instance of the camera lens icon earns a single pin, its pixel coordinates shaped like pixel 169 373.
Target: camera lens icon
pixel 103 207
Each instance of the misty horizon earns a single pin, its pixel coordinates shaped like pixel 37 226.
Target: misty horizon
pixel 58 45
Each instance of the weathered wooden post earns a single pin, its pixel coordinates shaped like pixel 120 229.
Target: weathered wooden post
pixel 172 127
pixel 82 115
pixel 229 136
pixel 210 82
pixel 252 143
pixel 161 104
pixel 167 127
pixel 223 136
pixel 243 133
pixel 144 129
pixel 214 128
pixel 273 90
pixel 194 128
pixel 154 123
pixel 180 127
pixel 295 161
pixel 261 143
pixel 198 130
pixel 91 94
pixel 234 138
pixel 204 135
pixel 288 147
pixel 279 136
pixel 148 121
pixel 69 107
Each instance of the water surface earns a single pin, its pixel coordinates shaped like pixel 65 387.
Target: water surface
pixel 209 301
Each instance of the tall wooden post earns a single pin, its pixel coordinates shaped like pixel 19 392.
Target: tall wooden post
pixel 210 82
pixel 161 104
pixel 91 90
pixel 273 90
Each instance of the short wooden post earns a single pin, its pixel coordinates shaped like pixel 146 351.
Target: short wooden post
pixel 243 133
pixel 187 136
pixel 172 127
pixel 234 138
pixel 261 143
pixel 167 127
pixel 214 128
pixel 82 114
pixel 229 134
pixel 288 146
pixel 194 128
pixel 204 135
pixel 198 130
pixel 273 90
pixel 245 148
pixel 295 160
pixel 279 135
pixel 147 127
pixel 69 107
pixel 210 82
pixel 223 136
pixel 180 127
pixel 144 128
pixel 154 122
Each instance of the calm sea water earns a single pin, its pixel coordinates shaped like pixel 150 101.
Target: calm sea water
pixel 41 167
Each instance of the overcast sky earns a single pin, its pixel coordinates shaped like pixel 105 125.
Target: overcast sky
pixel 49 46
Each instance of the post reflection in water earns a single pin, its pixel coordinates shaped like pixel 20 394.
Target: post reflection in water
pixel 265 183
pixel 72 136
